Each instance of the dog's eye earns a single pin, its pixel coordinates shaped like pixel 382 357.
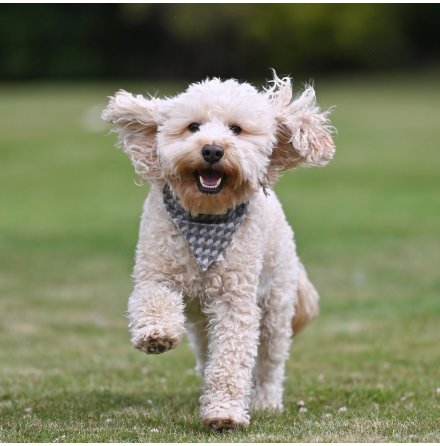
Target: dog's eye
pixel 235 129
pixel 194 127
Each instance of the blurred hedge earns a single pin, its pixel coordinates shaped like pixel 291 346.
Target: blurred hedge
pixel 195 40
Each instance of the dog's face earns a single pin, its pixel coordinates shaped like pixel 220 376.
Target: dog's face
pixel 219 142
pixel 214 143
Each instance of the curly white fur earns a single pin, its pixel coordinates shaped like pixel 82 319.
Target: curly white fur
pixel 239 314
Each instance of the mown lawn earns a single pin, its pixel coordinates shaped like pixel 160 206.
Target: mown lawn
pixel 368 230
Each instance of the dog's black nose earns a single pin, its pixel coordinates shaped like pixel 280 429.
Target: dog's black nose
pixel 212 153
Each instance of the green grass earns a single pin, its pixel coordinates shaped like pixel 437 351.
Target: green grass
pixel 367 227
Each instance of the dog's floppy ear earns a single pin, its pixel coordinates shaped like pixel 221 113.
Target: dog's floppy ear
pixel 135 120
pixel 304 134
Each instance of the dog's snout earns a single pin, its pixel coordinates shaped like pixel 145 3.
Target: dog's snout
pixel 212 153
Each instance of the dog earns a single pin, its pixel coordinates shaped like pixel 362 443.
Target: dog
pixel 216 257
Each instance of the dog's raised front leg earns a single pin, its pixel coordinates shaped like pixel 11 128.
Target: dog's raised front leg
pixel 156 315
pixel 233 322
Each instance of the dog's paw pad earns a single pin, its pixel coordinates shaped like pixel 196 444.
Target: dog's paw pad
pixel 154 345
pixel 221 424
pixel 224 423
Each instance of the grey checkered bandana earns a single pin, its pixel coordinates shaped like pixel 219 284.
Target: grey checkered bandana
pixel 208 235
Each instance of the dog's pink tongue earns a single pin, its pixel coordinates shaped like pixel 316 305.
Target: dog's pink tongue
pixel 210 178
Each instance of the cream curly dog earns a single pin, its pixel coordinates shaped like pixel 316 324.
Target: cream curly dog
pixel 216 257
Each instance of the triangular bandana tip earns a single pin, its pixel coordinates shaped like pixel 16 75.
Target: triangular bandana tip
pixel 207 235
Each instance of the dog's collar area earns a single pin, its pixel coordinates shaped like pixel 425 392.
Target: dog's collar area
pixel 207 235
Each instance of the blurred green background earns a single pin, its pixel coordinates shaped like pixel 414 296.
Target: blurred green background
pixel 191 41
pixel 367 225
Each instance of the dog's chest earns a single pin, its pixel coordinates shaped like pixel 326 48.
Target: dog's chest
pixel 168 257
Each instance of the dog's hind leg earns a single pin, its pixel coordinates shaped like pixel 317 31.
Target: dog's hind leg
pixel 156 315
pixel 307 303
pixel 282 316
pixel 275 339
pixel 197 332
pixel 198 340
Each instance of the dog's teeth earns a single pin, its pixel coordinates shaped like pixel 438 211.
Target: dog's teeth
pixel 209 186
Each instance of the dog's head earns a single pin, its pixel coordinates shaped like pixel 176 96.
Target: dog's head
pixel 220 141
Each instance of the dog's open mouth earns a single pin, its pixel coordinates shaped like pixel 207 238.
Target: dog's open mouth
pixel 210 181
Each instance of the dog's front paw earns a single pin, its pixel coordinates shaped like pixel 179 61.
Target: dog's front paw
pixel 157 318
pixel 154 342
pixel 223 421
pixel 223 424
pixel 151 345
